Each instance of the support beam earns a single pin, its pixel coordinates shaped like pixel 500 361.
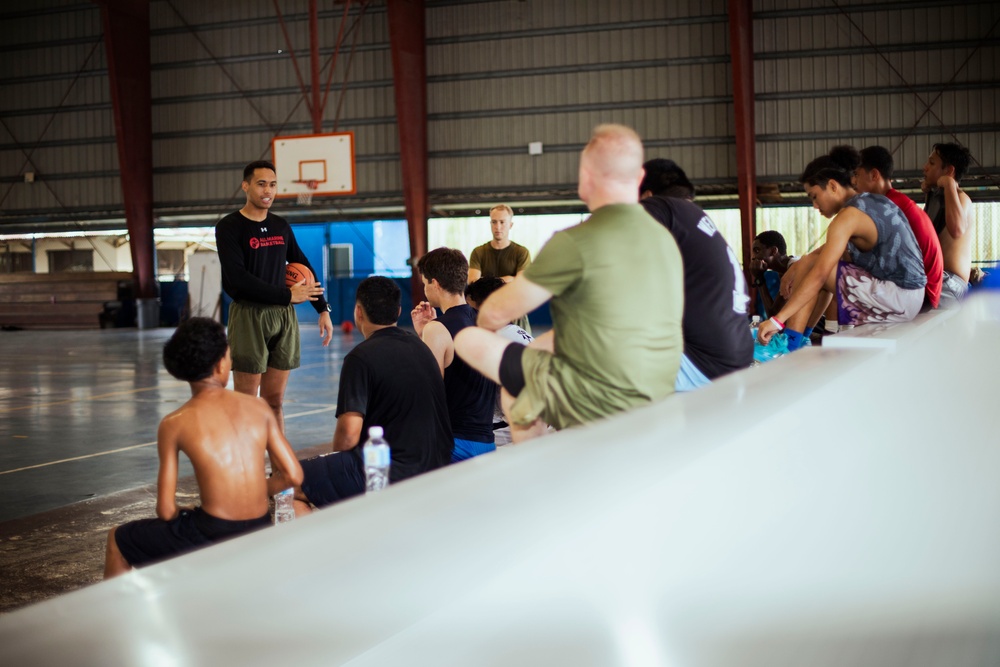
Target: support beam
pixel 741 50
pixel 315 108
pixel 409 73
pixel 126 39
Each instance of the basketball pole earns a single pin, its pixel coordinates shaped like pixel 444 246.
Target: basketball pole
pixel 316 109
pixel 409 74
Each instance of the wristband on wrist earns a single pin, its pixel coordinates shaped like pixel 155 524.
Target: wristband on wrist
pixel 778 323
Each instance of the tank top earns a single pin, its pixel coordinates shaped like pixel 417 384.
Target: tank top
pixel 895 257
pixel 470 395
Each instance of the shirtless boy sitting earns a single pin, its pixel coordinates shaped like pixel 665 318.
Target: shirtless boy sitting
pixel 950 209
pixel 225 435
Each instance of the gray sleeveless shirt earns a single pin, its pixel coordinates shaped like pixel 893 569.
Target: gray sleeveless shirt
pixel 896 256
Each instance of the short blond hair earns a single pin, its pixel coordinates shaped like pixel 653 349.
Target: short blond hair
pixel 614 153
pixel 503 207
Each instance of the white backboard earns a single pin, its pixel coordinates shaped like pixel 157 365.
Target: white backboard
pixel 327 160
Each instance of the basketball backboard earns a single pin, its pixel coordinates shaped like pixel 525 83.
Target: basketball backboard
pixel 314 164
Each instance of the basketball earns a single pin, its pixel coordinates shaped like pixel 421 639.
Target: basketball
pixel 296 273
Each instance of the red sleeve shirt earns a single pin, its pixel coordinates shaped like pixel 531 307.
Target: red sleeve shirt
pixel 927 239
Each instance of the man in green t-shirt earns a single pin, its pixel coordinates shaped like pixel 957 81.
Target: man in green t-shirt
pixel 500 257
pixel 612 345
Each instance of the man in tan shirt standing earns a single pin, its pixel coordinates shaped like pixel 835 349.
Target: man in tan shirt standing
pixel 500 257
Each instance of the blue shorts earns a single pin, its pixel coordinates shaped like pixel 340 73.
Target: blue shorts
pixel 689 377
pixel 467 449
pixel 332 477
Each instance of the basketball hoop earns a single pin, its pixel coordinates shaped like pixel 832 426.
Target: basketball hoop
pixel 314 165
pixel 306 198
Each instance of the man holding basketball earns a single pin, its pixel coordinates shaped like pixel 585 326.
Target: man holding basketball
pixel 254 247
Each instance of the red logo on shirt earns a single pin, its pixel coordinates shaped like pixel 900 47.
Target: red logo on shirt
pixel 266 241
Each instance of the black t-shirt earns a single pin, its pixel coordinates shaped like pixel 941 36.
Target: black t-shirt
pixel 716 336
pixel 393 380
pixel 253 256
pixel 471 396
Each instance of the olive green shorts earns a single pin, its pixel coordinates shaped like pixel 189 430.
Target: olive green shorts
pixel 262 337
pixel 562 396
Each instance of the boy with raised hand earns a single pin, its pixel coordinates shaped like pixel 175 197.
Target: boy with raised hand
pixel 471 395
pixel 225 435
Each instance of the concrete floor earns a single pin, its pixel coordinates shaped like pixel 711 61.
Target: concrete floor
pixel 78 418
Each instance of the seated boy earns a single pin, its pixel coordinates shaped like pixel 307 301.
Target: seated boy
pixel 769 260
pixel 475 295
pixel 471 395
pixel 714 323
pixel 225 435
pixel 392 380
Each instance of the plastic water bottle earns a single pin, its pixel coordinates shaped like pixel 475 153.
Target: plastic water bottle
pixel 377 460
pixel 284 506
pixel 754 323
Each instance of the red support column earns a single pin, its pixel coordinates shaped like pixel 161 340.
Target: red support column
pixel 315 109
pixel 741 49
pixel 409 72
pixel 126 39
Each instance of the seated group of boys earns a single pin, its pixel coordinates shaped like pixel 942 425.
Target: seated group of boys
pixel 612 347
pixel 884 259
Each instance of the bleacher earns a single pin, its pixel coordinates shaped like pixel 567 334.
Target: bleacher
pixel 887 336
pixel 68 300
pixel 837 505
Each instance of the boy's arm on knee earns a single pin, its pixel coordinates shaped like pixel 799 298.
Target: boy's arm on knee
pixel 814 272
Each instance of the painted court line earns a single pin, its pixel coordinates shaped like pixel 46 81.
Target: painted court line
pixel 78 458
pixel 117 393
pixel 78 400
pixel 145 444
pixel 310 412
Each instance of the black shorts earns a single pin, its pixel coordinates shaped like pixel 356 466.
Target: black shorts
pixel 511 372
pixel 332 477
pixel 149 541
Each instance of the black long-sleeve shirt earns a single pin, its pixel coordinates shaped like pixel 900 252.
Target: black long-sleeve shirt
pixel 253 256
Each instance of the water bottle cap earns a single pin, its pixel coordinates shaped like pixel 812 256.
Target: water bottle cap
pixel 375 432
